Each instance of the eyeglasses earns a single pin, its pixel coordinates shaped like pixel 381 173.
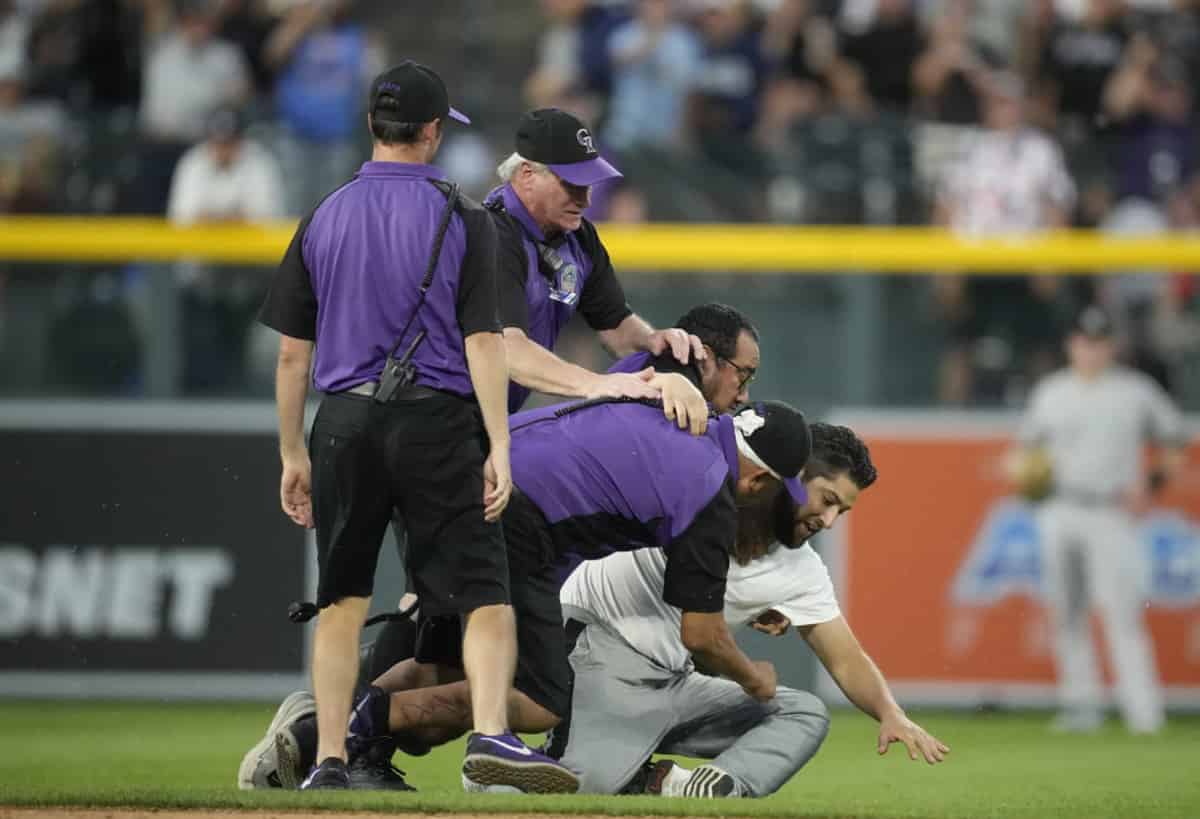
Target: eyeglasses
pixel 745 374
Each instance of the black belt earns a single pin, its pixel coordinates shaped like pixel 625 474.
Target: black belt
pixel 413 392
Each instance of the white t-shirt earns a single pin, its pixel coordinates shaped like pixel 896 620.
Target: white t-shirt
pixel 624 591
pixel 249 189
pixel 1005 182
pixel 182 85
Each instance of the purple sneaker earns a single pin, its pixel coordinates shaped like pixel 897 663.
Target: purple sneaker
pixel 503 762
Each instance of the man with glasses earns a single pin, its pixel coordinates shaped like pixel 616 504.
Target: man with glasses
pixel 730 363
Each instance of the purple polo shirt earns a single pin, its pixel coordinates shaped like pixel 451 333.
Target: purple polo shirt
pixel 525 283
pixel 615 476
pixel 351 279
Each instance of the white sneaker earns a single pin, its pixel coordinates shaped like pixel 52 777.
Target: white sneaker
pixel 667 778
pixel 260 765
pixel 710 782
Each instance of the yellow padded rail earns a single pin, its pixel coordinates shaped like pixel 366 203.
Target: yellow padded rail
pixel 662 247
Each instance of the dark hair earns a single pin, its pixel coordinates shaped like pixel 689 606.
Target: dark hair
pixel 836 450
pixel 389 131
pixel 718 326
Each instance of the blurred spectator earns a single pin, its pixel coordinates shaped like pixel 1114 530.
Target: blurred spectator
pixel 624 203
pixel 574 71
pixel 14 36
pixel 559 72
pixel 189 73
pixel 226 178
pixel 950 75
pixel 90 54
pixel 884 48
pixel 248 24
pixel 1150 99
pixel 30 139
pixel 325 60
pixel 655 60
pixel 802 44
pixel 1078 58
pixel 1003 329
pixel 733 72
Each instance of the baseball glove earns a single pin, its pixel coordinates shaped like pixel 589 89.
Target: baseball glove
pixel 1032 473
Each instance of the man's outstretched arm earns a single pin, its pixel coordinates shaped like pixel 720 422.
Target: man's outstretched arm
pixel 863 684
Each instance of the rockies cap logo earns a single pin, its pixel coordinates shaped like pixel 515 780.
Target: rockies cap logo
pixel 585 139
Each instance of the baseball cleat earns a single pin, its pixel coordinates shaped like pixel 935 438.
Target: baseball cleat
pixel 260 765
pixel 504 760
pixel 709 782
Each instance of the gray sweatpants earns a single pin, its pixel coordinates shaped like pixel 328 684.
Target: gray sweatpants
pixel 625 708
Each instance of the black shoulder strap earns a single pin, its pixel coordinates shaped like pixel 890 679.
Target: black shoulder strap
pixel 434 255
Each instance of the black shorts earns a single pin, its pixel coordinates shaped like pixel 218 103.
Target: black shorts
pixel 421 458
pixel 543 671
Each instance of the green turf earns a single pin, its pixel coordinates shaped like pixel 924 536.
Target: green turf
pixel 177 756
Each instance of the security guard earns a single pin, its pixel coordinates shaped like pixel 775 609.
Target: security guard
pixel 553 264
pixel 1091 421
pixel 392 276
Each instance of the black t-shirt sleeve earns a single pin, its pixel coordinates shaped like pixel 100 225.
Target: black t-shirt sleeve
pixel 478 311
pixel 512 269
pixel 698 560
pixel 602 302
pixel 291 305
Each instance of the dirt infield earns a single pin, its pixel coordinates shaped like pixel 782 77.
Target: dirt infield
pixel 143 813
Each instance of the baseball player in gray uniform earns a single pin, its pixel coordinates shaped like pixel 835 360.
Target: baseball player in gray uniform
pixel 1092 420
pixel 637 690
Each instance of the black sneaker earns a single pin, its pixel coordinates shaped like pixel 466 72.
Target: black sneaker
pixel 377 773
pixel 331 775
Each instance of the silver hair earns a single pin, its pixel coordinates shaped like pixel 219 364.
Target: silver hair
pixel 507 169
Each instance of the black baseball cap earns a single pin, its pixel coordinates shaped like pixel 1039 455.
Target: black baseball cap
pixel 775 436
pixel 419 92
pixel 563 142
pixel 1094 322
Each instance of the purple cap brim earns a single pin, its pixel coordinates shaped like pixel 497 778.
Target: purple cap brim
pixel 586 173
pixel 459 116
pixel 795 488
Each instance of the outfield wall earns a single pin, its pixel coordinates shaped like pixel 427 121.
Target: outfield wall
pixel 143 555
pixel 938 568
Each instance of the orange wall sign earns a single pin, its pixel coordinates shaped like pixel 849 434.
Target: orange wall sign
pixel 938 568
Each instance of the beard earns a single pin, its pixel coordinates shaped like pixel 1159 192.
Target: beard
pixel 756 527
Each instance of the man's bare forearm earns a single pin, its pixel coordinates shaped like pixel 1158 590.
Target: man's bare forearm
pixel 532 365
pixel 630 336
pixel 291 391
pixel 714 649
pixel 864 685
pixel 855 673
pixel 488 365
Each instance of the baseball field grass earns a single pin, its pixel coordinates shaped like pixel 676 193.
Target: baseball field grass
pixel 167 756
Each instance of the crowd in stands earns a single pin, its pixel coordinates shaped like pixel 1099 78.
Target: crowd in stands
pixel 988 116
